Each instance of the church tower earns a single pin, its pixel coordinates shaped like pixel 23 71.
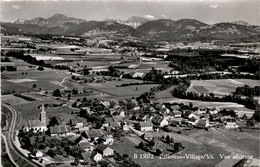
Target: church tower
pixel 43 116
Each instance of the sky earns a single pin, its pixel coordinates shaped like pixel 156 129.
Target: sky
pixel 207 11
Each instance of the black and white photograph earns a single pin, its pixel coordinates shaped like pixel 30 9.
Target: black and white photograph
pixel 130 83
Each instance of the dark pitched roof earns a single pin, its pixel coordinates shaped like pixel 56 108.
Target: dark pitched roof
pixel 102 147
pixel 157 119
pixel 60 129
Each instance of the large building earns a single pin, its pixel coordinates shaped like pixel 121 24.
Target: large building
pixel 37 125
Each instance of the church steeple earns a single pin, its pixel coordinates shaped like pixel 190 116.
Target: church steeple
pixel 43 116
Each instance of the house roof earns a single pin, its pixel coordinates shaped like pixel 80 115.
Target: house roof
pixel 176 112
pixel 138 74
pixel 34 123
pixel 102 147
pixel 157 119
pixel 148 135
pixel 58 118
pixel 146 124
pixel 84 145
pixel 117 118
pixel 94 133
pixel 201 123
pixel 105 103
pixel 114 124
pixel 60 129
pixel 175 107
pixel 74 121
pixel 81 129
pixel 86 155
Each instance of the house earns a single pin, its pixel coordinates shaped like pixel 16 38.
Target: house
pixel 135 102
pixel 60 131
pixel 117 118
pixel 152 109
pixel 164 110
pixel 227 119
pixel 230 125
pixel 82 129
pixel 138 75
pixel 136 108
pixel 106 104
pixel 202 110
pixel 114 125
pixel 176 114
pixel 36 154
pixel 175 121
pixel 168 116
pixel 87 109
pixel 57 119
pixel 149 118
pixel 147 136
pixel 175 108
pixel 194 115
pixel 108 140
pixel 76 122
pixel 88 156
pixel 122 114
pixel 96 156
pixel 125 127
pixel 186 113
pixel 192 121
pixel 141 117
pixel 37 125
pixel 202 123
pixel 213 110
pixel 87 146
pixel 105 150
pixel 160 121
pixel 145 126
pixel 93 134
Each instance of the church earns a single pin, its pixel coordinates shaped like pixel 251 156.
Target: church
pixel 37 125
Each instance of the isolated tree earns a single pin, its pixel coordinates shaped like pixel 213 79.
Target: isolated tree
pixel 141 145
pixel 40 68
pixel 158 151
pixel 69 96
pixel 56 93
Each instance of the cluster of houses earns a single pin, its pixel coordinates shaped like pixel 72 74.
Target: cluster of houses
pixel 95 142
pixel 148 117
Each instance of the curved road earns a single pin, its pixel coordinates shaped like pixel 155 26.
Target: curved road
pixel 9 141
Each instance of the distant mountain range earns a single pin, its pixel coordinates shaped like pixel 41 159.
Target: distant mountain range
pixel 162 29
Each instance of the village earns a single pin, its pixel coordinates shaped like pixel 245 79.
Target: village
pixel 98 102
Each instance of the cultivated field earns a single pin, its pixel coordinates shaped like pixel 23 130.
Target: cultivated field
pixel 220 87
pixel 45 80
pixel 109 88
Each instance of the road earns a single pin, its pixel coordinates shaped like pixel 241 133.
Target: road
pixel 8 151
pixel 10 146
